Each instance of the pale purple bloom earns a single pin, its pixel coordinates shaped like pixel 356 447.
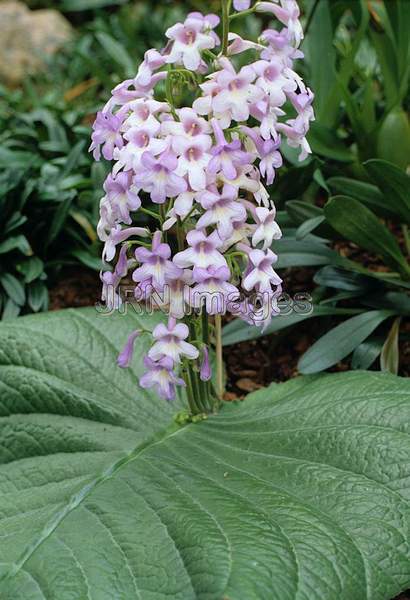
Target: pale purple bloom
pixel 142 114
pixel 296 131
pixel 116 236
pixel 202 251
pixel 204 104
pixel 106 135
pixel 205 371
pixel 153 60
pixel 259 274
pixel 125 357
pixel 227 156
pixel 193 159
pixel 170 341
pixel 241 4
pixel 189 39
pixel 267 229
pixel 112 279
pixel 157 176
pixel 222 210
pixel 162 376
pixel 272 81
pixel 238 45
pixel 189 124
pixel 122 195
pixel 212 289
pixel 237 91
pixel 267 151
pixel 139 141
pixel 288 14
pixel 280 46
pixel 156 266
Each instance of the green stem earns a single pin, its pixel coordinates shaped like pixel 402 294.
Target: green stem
pixel 169 93
pixel 219 358
pixel 226 9
pixel 244 13
pixel 151 213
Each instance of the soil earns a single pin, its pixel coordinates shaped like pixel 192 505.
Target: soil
pixel 250 365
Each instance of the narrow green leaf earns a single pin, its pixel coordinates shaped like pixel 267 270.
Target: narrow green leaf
pixel 13 288
pixel 340 341
pixel 394 183
pixel 358 224
pixel 117 52
pixel 37 296
pixel 309 226
pixel 368 194
pixel 31 268
pixel 390 356
pixel 367 352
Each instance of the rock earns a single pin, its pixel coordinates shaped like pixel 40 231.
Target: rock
pixel 27 39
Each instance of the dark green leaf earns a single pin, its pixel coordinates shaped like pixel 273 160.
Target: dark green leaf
pixel 367 352
pixel 339 342
pixel 13 288
pixel 358 224
pixel 394 183
pixel 37 296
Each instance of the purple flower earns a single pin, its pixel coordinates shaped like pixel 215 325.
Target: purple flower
pixel 153 60
pixel 205 372
pixel 296 131
pixel 156 266
pixel 268 153
pixel 118 235
pixel 189 39
pixel 288 14
pixel 194 159
pixel 222 210
pixel 202 251
pixel 212 289
pixel 161 375
pixel 157 176
pixel 259 274
pixel 237 91
pixel 227 156
pixel 267 229
pixel 106 135
pixel 170 341
pixel 122 196
pixel 125 357
pixel 189 124
pixel 241 4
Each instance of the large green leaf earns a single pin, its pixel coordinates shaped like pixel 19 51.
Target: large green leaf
pixel 299 492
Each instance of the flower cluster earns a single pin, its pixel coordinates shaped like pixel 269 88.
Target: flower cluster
pixel 205 167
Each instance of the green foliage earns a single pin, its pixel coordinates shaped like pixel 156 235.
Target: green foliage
pixel 301 487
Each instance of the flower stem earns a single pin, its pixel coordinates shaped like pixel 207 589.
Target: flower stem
pixel 226 9
pixel 219 358
pixel 244 13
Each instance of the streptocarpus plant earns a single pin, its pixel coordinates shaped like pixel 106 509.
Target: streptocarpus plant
pixel 205 165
